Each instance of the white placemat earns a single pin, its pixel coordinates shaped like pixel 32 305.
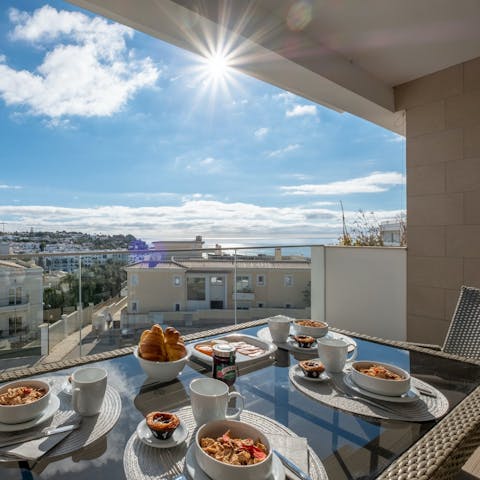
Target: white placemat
pixel 425 409
pixel 91 429
pixel 142 462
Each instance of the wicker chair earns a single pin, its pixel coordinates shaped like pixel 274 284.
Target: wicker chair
pixel 463 336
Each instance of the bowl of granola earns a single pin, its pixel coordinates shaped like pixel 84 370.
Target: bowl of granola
pixel 23 400
pixel 234 450
pixel 312 328
pixel 381 378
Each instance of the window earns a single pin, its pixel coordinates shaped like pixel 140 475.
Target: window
pixel 14 325
pixel 134 307
pixel 177 307
pixel 261 280
pixel 288 305
pixel 216 281
pixel 243 284
pixel 195 288
pixel 288 280
pixel 177 281
pixel 134 280
pixel 15 296
pixel 260 305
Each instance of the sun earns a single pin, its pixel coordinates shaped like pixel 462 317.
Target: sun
pixel 217 65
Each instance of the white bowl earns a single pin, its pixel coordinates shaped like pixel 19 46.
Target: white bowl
pixel 382 386
pixel 12 414
pixel 161 371
pixel 219 470
pixel 315 332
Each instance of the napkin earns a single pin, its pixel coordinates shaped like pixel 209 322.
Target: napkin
pixel 294 448
pixel 32 450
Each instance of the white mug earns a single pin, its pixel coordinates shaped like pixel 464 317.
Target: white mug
pixel 333 352
pixel 88 389
pixel 209 398
pixel 279 327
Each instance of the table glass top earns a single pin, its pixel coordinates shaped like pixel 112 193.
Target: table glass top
pixel 350 446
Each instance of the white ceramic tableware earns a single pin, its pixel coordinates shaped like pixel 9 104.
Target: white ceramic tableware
pixel 161 371
pixel 316 332
pixel 209 398
pixel 279 327
pixel 12 414
pixel 382 386
pixel 216 469
pixel 334 354
pixel 88 389
pixel 146 436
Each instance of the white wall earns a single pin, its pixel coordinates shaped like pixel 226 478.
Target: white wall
pixel 364 289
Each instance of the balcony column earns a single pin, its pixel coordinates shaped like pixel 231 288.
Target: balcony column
pixel 317 294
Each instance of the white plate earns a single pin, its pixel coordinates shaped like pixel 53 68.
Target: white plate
pixel 411 396
pixel 264 334
pixel 292 343
pixel 48 413
pixel 298 372
pixel 147 437
pixel 195 472
pixel 269 348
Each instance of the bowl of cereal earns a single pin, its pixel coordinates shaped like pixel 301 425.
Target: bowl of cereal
pixel 312 328
pixel 381 378
pixel 23 400
pixel 251 458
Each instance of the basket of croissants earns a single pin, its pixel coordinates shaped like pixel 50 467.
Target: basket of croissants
pixel 161 354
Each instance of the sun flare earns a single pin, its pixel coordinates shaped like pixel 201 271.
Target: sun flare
pixel 217 65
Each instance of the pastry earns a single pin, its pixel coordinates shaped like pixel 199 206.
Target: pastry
pixel 312 368
pixel 174 345
pixel 162 424
pixel 152 345
pixel 304 341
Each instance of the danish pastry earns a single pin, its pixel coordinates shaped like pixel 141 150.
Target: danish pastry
pixel 162 424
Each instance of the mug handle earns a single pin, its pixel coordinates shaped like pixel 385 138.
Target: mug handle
pixel 354 354
pixel 75 402
pixel 240 409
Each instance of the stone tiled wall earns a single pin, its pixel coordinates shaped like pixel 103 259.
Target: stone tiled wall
pixel 443 194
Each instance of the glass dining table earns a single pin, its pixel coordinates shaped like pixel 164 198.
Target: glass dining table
pixel 349 445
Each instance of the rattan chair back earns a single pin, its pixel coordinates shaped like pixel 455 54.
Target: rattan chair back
pixel 463 336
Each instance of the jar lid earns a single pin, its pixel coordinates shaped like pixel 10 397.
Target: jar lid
pixel 223 349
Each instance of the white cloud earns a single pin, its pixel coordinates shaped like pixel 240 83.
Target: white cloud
pixel 301 110
pixel 395 138
pixel 261 132
pixel 373 183
pixel 87 70
pixel 282 151
pixel 195 215
pixel 207 165
pixel 10 187
pixel 286 97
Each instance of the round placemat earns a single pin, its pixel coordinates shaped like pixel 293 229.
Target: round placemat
pixel 423 410
pixel 92 428
pixel 142 462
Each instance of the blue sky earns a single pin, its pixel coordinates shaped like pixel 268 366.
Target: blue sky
pixel 104 129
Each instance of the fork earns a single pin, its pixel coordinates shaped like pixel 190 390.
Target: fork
pixel 344 394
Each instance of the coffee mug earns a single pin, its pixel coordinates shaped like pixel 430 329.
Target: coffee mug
pixel 333 352
pixel 209 398
pixel 88 389
pixel 279 327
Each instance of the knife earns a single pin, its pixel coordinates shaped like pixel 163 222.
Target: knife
pixel 289 464
pixel 45 432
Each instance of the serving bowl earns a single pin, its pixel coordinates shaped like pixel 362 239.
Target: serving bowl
pixel 315 332
pixel 161 371
pixel 12 414
pixel 216 469
pixel 381 386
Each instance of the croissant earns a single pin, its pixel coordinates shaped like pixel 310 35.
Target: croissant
pixel 174 344
pixel 152 345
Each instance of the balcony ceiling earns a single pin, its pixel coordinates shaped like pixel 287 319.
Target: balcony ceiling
pixel 347 55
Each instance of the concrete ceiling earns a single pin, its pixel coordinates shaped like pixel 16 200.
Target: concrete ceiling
pixel 347 55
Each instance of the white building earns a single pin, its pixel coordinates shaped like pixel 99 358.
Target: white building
pixel 21 300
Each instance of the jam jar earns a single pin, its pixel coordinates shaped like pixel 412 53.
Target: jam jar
pixel 224 367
